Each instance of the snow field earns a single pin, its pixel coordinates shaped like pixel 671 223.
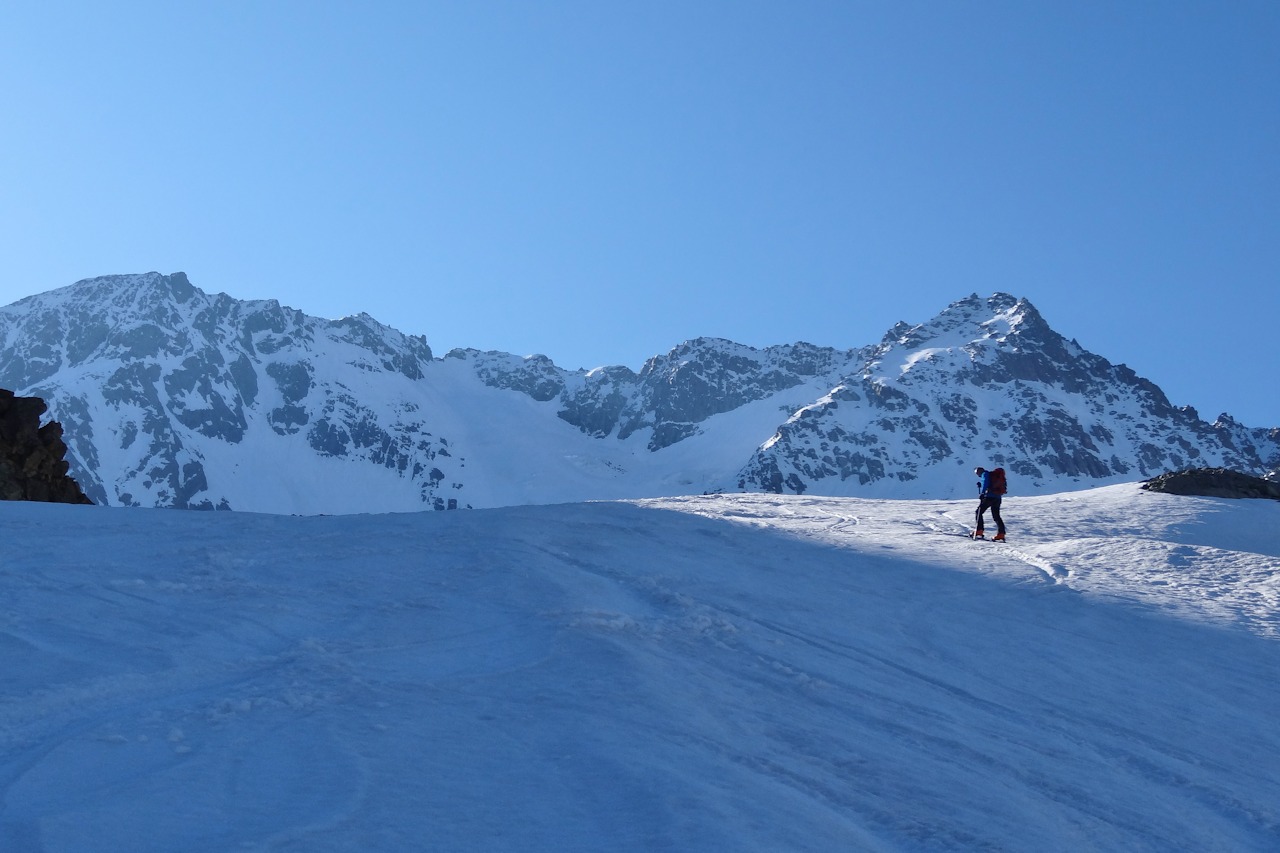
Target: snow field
pixel 743 672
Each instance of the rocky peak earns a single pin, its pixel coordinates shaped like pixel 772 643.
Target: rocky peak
pixel 988 379
pixel 139 293
pixel 999 318
pixel 534 375
pixel 396 351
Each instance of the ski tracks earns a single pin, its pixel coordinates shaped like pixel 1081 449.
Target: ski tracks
pixel 1054 572
pixel 943 522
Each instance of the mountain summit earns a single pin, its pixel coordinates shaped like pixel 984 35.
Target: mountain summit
pixel 170 396
pixel 988 379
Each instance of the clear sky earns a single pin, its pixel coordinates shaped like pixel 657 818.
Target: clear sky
pixel 599 181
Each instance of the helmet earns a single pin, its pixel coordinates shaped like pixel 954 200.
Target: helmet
pixel 979 470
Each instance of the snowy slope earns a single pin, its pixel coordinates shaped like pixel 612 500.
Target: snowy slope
pixel 170 396
pixel 746 672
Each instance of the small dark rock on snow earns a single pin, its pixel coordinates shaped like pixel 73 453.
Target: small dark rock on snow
pixel 1214 483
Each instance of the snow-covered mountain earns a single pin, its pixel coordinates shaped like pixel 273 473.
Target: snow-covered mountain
pixel 172 397
pixel 988 379
pixel 732 672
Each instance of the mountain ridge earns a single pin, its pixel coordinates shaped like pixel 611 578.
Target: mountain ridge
pixel 171 396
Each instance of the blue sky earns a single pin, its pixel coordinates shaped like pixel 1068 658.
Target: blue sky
pixel 599 181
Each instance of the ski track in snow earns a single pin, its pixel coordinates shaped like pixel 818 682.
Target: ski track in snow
pixel 745 672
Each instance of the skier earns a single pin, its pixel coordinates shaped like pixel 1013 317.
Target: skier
pixel 990 490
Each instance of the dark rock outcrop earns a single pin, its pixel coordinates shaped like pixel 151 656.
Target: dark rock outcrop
pixel 32 467
pixel 1213 483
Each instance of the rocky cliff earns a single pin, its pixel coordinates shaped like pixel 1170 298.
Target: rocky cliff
pixel 32 467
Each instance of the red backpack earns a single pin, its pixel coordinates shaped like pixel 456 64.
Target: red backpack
pixel 997 484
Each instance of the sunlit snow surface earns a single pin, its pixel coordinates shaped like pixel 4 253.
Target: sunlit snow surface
pixel 741 672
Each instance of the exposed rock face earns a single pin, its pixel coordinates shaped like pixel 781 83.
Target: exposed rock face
pixel 675 393
pixel 1214 483
pixel 32 467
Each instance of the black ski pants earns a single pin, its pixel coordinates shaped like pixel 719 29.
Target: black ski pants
pixel 990 502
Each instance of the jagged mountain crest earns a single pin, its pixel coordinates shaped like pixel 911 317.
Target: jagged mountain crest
pixel 174 397
pixel 990 380
pixel 176 372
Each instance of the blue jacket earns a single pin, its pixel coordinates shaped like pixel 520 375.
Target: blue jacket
pixel 984 488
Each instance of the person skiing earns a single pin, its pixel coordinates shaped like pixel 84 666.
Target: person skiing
pixel 991 489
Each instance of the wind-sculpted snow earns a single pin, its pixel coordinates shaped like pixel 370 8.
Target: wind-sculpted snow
pixel 172 397
pixel 746 672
